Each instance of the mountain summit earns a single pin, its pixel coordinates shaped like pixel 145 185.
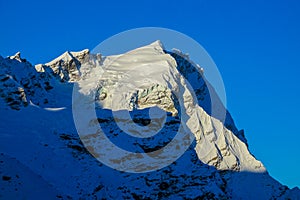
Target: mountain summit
pixel 147 125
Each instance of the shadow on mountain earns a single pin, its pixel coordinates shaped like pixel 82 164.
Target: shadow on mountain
pixel 51 149
pixel 189 178
pixel 206 95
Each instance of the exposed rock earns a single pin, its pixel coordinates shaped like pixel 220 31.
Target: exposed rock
pixel 67 66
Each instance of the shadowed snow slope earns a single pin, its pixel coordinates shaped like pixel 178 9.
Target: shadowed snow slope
pixel 43 156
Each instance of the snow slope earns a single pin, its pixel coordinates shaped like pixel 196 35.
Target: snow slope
pixel 40 144
pixel 151 75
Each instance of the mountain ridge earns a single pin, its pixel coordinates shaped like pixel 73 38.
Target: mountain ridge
pixel 39 85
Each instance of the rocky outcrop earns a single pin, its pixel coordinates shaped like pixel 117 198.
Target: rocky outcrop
pixel 21 83
pixel 66 67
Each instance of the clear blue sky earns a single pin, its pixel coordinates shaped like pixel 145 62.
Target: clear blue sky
pixel 255 44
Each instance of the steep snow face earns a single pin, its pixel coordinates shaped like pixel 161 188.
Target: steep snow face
pixel 43 156
pixel 124 81
pixel 207 98
pixel 148 77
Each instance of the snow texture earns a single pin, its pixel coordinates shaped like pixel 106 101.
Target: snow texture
pixel 42 155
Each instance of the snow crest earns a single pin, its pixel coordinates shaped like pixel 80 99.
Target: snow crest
pixel 165 96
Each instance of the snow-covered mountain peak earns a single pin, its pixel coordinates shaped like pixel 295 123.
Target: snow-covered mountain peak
pixel 123 78
pixel 68 56
pixel 17 56
pixel 46 145
pixel 66 66
pixel 147 77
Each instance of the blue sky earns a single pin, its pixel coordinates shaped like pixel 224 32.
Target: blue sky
pixel 255 45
